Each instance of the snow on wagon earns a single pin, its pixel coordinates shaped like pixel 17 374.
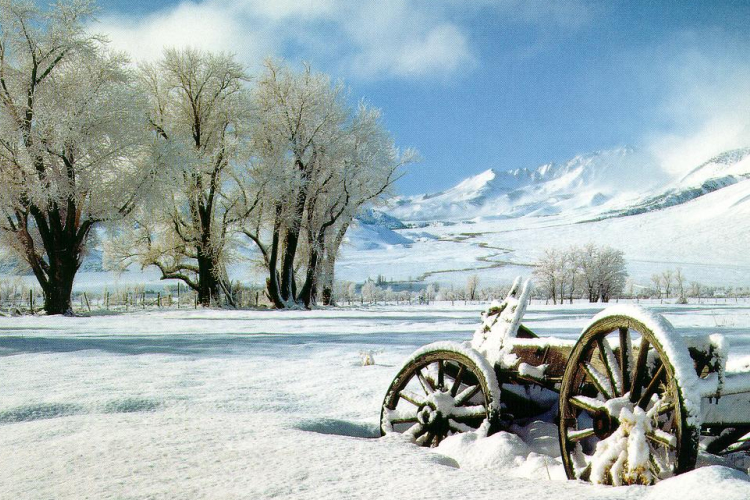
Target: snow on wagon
pixel 633 400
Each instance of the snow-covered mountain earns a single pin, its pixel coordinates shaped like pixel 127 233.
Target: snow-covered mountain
pixel 602 184
pixel 584 182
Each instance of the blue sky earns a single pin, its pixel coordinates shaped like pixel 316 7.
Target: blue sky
pixel 477 84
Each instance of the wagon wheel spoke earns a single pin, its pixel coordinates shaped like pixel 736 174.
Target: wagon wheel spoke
pixel 591 405
pixel 626 352
pixel 598 379
pixel 576 435
pixel 611 367
pixel 425 439
pixel 438 438
pixel 467 394
pixel 415 431
pixel 441 374
pixel 411 397
pixel 459 426
pixel 652 387
pixel 405 420
pixel 469 412
pixel 640 369
pixel 425 383
pixel 457 380
pixel 665 408
pixel 663 438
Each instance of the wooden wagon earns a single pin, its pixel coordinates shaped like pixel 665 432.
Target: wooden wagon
pixel 633 400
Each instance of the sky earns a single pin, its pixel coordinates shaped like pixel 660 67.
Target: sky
pixel 503 84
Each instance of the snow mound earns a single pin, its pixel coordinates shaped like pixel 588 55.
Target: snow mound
pixel 508 453
pixel 700 484
pixel 501 451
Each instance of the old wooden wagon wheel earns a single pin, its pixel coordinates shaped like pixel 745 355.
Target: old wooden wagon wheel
pixel 624 411
pixel 444 388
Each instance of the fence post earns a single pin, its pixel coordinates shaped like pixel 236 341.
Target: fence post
pixel 158 299
pixel 178 295
pixel 88 305
pixel 31 301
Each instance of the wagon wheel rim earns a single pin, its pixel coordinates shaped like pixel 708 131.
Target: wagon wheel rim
pixel 437 394
pixel 622 417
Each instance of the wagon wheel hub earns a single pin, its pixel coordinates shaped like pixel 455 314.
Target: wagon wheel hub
pixel 435 413
pixel 604 424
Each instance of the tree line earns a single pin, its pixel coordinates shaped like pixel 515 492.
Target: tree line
pixel 183 161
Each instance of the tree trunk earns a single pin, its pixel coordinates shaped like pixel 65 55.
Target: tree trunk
pixel 291 239
pixel 327 270
pixel 327 279
pixel 59 287
pixel 208 282
pixel 63 236
pixel 272 283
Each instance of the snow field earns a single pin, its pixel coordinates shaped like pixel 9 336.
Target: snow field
pixel 251 404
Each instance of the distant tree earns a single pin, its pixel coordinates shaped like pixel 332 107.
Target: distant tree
pixel 369 291
pixel 656 281
pixel 472 284
pixel 588 262
pixel 72 140
pixel 547 273
pixel 613 273
pixel 667 280
pixel 679 280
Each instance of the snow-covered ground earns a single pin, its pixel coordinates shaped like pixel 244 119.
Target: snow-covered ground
pixel 252 404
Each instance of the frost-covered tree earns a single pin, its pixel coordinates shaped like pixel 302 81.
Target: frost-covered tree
pixel 72 140
pixel 317 161
pixel 472 284
pixel 680 280
pixel 198 109
pixel 547 273
pixel 612 271
pixel 601 270
pixel 667 281
pixel 656 281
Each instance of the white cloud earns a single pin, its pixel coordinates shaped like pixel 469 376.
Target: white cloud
pixel 187 25
pixel 395 38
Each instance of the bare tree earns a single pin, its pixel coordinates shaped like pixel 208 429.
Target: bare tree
pixel 656 280
pixel 199 108
pixel 666 281
pixel 547 272
pixel 472 284
pixel 319 162
pixel 72 137
pixel 679 280
pixel 613 273
pixel 600 271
